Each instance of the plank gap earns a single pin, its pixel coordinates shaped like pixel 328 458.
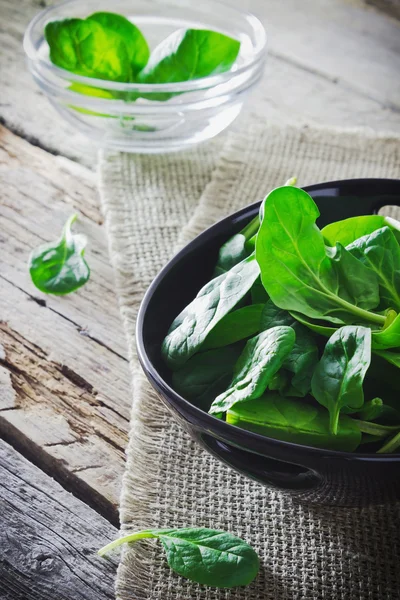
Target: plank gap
pixel 77 487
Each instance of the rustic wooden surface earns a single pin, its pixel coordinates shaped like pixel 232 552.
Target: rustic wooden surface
pixel 64 377
pixel 49 537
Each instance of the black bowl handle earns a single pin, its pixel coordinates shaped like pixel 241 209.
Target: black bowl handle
pixel 271 471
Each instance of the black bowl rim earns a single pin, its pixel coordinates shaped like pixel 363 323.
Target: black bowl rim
pixel 207 421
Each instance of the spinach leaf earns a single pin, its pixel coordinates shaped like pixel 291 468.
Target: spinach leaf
pixel 215 300
pixel 59 267
pixel 391 446
pixel 136 46
pixel 294 421
pixel 382 339
pixel 236 248
pixel 315 325
pixel 190 54
pixel 85 47
pixel 258 293
pixel 371 410
pixel 207 556
pixel 392 357
pixel 349 230
pixel 235 326
pixel 380 252
pixel 231 253
pixel 388 337
pixel 296 270
pixel 338 378
pixel 241 245
pixel 261 358
pixel 303 358
pixel 206 375
pixel 375 429
pixel 356 282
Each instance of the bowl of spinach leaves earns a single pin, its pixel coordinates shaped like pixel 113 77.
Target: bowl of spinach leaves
pixel 151 76
pixel 274 338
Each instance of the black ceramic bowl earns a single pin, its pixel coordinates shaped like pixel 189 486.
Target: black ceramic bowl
pixel 309 474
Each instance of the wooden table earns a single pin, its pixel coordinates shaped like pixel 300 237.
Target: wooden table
pixel 64 377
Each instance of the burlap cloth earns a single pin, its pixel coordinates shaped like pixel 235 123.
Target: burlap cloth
pixel 153 205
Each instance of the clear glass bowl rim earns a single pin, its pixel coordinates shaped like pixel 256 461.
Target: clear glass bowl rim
pixel 202 83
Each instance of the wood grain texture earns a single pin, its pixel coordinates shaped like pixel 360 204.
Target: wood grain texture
pixel 66 384
pixel 332 62
pixel 23 107
pixel 351 45
pixel 48 538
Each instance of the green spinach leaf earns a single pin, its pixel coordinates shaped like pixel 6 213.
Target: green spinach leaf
pixel 349 230
pixel 315 325
pixel 380 252
pixel 356 282
pixel 382 339
pixel 136 46
pixel 390 446
pixel 296 270
pixel 235 326
pixel 206 556
pixel 215 300
pixel 371 410
pixel 392 357
pixel 231 253
pixel 338 378
pixel 294 421
pixel 261 358
pixel 59 267
pixel 88 47
pixel 258 292
pixel 190 54
pixel 206 375
pixel 375 429
pixel 303 358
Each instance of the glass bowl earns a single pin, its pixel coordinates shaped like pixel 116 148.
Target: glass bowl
pixel 196 111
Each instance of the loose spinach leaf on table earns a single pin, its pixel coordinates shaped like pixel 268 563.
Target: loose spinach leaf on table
pixel 296 270
pixel 105 46
pixel 215 300
pixel 337 382
pixel 206 556
pixel 294 421
pixel 380 252
pixel 349 230
pixel 235 326
pixel 261 358
pixel 59 267
pixel 206 375
pixel 302 360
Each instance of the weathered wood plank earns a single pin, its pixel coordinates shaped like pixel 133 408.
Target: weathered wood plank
pixel 48 538
pixel 23 107
pixel 65 396
pixel 333 62
pixel 356 47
